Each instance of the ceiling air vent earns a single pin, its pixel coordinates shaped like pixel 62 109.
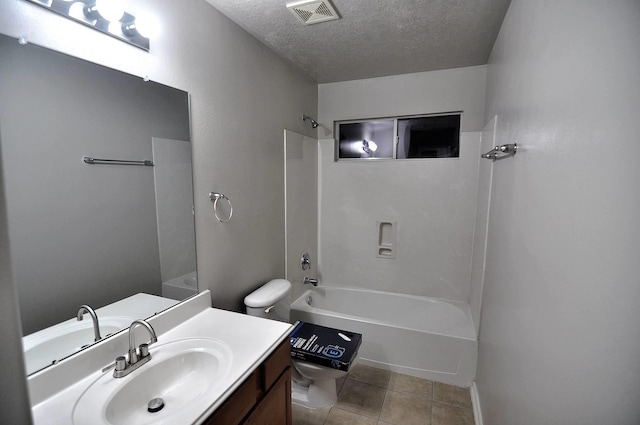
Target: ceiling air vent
pixel 314 11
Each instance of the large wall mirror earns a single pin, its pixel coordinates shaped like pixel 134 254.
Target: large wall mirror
pixel 114 236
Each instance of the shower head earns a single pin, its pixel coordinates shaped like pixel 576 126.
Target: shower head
pixel 313 122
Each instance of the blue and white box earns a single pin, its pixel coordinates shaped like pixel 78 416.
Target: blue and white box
pixel 324 346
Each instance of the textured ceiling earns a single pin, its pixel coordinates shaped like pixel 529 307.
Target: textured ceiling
pixel 375 38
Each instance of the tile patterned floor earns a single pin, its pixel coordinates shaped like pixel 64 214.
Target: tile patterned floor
pixel 371 396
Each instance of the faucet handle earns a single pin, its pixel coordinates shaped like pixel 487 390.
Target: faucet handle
pixel 121 363
pixel 305 261
pixel 144 350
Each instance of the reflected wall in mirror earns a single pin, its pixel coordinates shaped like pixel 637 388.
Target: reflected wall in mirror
pixel 93 234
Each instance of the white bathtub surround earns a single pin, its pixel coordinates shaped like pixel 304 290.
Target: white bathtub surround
pixel 173 181
pixel 432 201
pixel 418 336
pixel 481 228
pixel 181 287
pixel 301 208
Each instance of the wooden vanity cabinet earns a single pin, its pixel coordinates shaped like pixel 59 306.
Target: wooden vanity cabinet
pixel 264 398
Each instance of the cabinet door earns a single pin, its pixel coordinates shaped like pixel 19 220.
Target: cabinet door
pixel 239 404
pixel 275 408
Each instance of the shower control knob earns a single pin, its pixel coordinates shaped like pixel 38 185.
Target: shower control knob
pixel 305 261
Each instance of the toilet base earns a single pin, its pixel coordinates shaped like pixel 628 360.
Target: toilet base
pixel 318 394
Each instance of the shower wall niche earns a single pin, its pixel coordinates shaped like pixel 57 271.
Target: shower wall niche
pixel 386 239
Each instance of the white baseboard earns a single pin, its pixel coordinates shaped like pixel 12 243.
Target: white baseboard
pixel 475 401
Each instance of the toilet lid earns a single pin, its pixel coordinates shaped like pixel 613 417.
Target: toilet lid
pixel 324 346
pixel 268 294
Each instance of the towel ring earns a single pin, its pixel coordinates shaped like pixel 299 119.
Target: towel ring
pixel 215 197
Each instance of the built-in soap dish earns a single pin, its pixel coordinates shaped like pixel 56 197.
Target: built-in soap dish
pixel 386 239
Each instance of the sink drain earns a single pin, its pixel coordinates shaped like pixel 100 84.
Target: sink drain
pixel 155 405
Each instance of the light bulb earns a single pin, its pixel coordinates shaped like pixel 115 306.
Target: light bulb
pixel 146 26
pixel 111 10
pixel 369 146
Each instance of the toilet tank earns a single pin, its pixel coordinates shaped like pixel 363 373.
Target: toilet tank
pixel 271 301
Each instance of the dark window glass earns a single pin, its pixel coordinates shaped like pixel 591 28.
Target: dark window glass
pixel 429 137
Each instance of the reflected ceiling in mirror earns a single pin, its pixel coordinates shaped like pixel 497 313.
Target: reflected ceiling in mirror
pixel 87 233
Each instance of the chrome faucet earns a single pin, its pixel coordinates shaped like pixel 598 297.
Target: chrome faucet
pixel 311 281
pixel 96 327
pixel 137 357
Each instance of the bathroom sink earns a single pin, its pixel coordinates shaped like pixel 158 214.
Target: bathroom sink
pixel 59 341
pixel 185 374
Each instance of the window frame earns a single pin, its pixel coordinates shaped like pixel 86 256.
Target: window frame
pixel 395 139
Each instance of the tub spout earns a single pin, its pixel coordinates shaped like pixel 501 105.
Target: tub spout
pixel 313 282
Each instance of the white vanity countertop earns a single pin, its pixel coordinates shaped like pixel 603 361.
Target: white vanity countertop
pixel 250 340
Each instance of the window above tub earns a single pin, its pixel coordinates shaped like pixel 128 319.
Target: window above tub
pixel 414 137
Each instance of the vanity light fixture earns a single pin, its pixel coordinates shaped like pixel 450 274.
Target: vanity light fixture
pixel 106 16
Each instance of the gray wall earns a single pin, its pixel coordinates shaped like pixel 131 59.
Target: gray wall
pixel 242 97
pixel 80 234
pixel 14 401
pixel 559 337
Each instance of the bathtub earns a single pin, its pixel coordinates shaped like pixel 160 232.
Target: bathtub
pixel 418 336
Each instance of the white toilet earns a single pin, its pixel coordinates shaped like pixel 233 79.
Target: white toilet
pixel 314 378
